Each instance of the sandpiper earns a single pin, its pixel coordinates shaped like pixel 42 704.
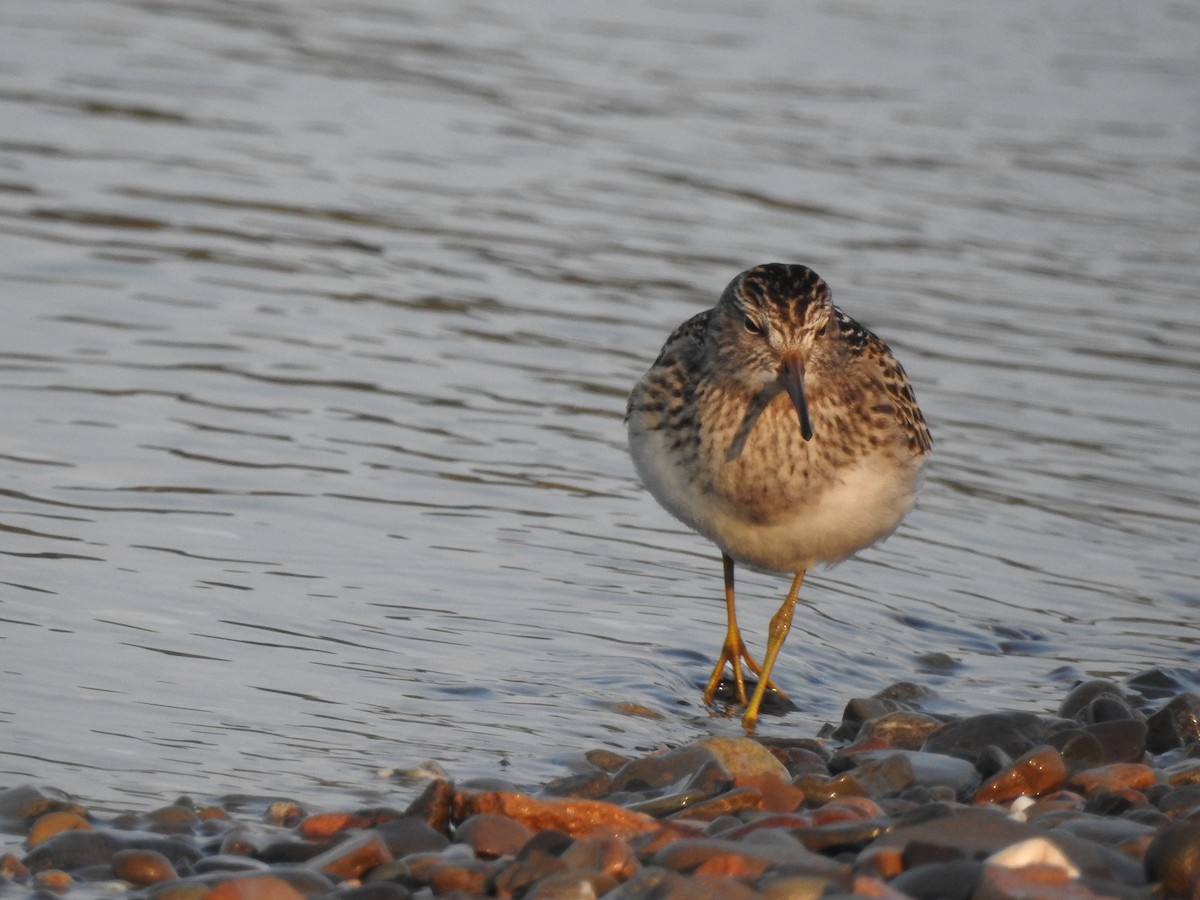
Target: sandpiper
pixel 784 432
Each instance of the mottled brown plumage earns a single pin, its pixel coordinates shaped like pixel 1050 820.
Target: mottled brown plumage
pixel 783 431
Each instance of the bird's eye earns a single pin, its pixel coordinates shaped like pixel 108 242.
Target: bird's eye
pixel 752 326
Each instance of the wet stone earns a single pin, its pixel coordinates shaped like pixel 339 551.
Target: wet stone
pixel 48 825
pixel 744 757
pixel 675 767
pixel 352 857
pixel 1014 733
pixel 492 836
pixel 954 880
pixel 142 867
pixel 26 802
pixel 1173 859
pixel 433 805
pixel 1076 703
pixel 72 850
pixel 411 835
pixel 1037 772
pixel 1120 740
pixel 1175 725
pixel 900 730
pixel 380 890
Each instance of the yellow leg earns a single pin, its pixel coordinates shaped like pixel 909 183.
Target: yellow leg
pixel 734 650
pixel 781 624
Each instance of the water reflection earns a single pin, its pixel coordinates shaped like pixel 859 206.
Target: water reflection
pixel 320 320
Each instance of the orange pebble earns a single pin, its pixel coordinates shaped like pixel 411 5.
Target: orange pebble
pixel 1114 777
pixel 731 865
pixel 846 809
pixel 53 823
pixel 52 879
pixel 1040 770
pixel 255 887
pixel 322 825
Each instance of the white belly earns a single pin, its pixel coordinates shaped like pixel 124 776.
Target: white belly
pixel 838 517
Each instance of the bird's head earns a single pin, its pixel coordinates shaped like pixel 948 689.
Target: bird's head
pixel 769 323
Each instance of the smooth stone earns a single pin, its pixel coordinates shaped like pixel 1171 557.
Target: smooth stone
pixel 491 835
pixel 856 713
pixel 571 886
pixel 1033 851
pixel 379 890
pixel 937 662
pixel 76 849
pixel 1031 881
pixel 254 887
pixel 901 730
pixel 1079 749
pixel 228 863
pixel 660 770
pixel 953 880
pixel 284 813
pixel 842 836
pixel 142 867
pixel 734 801
pixel 1179 800
pixel 1109 831
pixel 434 805
pixel 1121 740
pixel 1173 859
pixel 1076 703
pixel 48 825
pixel 1183 773
pixel 352 857
pixel 605 760
pixel 1157 683
pixel 470 876
pixel 519 874
pixel 56 881
pixel 318 826
pixel 788 886
pixel 905 693
pixel 822 789
pixel 574 817
pixel 1113 776
pixel 1013 732
pixel 778 796
pixel 663 884
pixel 24 802
pixel 744 757
pixel 1177 724
pixel 178 890
pixel 411 835
pixel 590 785
pixel 969 832
pixel 254 839
pixel 1038 771
pixel 173 819
pixel 930 769
pixel 600 853
pixel 1107 708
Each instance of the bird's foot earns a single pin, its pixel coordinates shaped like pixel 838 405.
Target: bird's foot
pixel 733 691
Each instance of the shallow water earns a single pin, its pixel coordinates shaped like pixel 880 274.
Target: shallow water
pixel 318 321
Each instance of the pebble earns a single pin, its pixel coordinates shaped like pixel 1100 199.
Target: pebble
pixel 1099 799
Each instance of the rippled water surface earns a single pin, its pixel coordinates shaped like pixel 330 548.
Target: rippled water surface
pixel 317 321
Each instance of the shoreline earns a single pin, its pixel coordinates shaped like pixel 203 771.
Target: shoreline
pixel 1101 799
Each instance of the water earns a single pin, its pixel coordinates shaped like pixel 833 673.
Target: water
pixel 318 320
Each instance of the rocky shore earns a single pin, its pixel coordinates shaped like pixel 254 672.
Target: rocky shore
pixel 1101 799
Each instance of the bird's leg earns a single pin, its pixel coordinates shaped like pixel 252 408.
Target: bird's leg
pixel 781 623
pixel 734 650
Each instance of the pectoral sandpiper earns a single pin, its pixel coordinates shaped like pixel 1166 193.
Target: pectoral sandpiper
pixel 784 432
